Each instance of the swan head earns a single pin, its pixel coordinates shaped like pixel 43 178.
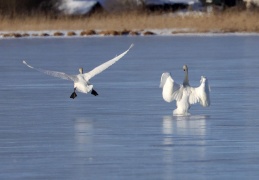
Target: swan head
pixel 203 79
pixel 186 79
pixel 81 70
pixel 185 68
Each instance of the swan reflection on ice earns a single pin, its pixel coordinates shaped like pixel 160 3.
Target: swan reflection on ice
pixel 182 126
pixel 180 134
pixel 83 129
pixel 185 125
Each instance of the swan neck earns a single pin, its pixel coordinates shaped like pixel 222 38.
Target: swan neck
pixel 186 79
pixel 81 70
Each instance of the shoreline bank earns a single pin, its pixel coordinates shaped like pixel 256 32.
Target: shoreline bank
pixel 113 33
pixel 134 24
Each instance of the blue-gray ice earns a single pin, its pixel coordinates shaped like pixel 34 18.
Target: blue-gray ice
pixel 128 131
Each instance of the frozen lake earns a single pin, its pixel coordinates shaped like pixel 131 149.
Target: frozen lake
pixel 128 131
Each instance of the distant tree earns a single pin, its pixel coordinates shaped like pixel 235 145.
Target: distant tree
pixel 26 7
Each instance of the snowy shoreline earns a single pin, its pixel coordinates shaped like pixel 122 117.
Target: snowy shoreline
pixel 111 33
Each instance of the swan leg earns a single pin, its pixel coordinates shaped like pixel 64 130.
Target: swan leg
pixel 93 92
pixel 181 112
pixel 73 95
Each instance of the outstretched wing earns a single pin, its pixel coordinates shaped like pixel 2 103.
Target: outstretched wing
pixel 53 73
pixel 201 94
pixel 104 66
pixel 171 90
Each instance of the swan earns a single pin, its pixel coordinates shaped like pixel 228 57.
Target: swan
pixel 81 81
pixel 184 94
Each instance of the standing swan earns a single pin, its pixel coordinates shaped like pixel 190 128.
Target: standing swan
pixel 81 81
pixel 184 94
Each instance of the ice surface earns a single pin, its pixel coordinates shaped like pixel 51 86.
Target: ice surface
pixel 128 132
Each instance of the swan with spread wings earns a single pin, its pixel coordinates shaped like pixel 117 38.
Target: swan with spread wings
pixel 81 81
pixel 184 94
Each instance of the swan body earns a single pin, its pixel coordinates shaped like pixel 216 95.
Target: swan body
pixel 82 80
pixel 184 94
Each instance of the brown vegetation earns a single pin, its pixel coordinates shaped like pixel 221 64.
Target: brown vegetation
pixel 58 34
pixel 88 33
pixel 71 33
pixel 44 34
pixel 130 23
pixel 148 33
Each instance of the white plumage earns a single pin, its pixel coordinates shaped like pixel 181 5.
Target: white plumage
pixel 81 81
pixel 184 94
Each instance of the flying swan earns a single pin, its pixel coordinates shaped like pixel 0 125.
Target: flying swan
pixel 184 94
pixel 81 81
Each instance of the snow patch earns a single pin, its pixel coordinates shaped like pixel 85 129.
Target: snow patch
pixel 76 7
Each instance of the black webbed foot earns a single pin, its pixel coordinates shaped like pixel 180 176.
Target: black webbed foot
pixel 73 95
pixel 93 92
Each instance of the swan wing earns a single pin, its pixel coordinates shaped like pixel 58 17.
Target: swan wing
pixel 102 67
pixel 171 90
pixel 53 73
pixel 201 94
pixel 163 79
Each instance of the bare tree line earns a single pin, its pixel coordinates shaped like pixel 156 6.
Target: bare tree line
pixel 26 7
pixel 31 7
